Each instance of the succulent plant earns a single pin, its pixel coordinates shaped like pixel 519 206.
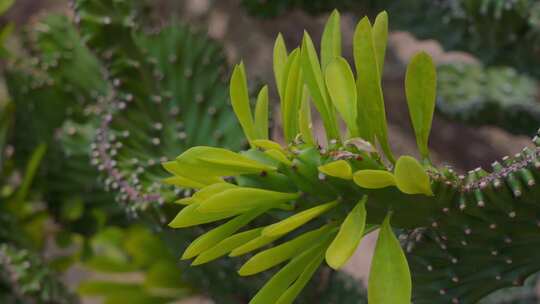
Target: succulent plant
pixel 345 188
pixel 489 96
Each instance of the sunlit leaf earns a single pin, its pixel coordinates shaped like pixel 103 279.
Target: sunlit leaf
pixel 226 246
pixel 242 199
pixel 183 182
pixel 240 101
pixel 278 155
pixel 195 179
pixel 420 88
pixel 297 220
pixel 389 277
pixel 254 244
pixel 380 37
pixel 266 144
pixel 331 40
pixel 261 114
pixel 342 90
pixel 411 178
pixel 339 168
pixel 191 216
pixel 349 236
pixel 280 60
pixel 374 179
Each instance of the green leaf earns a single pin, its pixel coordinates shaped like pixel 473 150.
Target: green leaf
pixel 342 90
pixel 292 292
pixel 374 179
pixel 349 236
pixel 380 37
pixel 389 277
pixel 209 191
pixel 218 234
pixel 280 60
pixel 371 112
pixel 279 155
pixel 243 199
pixel 411 178
pixel 191 216
pixel 311 72
pixel 261 114
pixel 30 172
pixel 195 180
pixel 339 168
pixel 240 101
pixel 184 182
pixel 297 220
pixel 290 103
pixel 226 246
pixel 421 88
pixel 254 244
pixel 304 118
pixel 331 40
pixel 271 257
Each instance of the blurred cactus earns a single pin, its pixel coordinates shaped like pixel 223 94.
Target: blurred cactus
pixel 489 96
pixel 342 191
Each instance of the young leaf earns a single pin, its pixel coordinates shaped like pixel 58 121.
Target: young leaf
pixel 374 179
pixel 342 90
pixel 269 258
pixel 292 96
pixel 266 144
pixel 195 179
pixel 304 118
pixel 420 89
pixel 349 236
pixel 261 114
pixel 216 235
pixel 209 191
pixel 370 95
pixel 280 60
pixel 297 220
pixel 294 290
pixel 331 40
pixel 240 101
pixel 389 277
pixel 182 182
pixel 191 216
pixel 226 246
pixel 411 178
pixel 339 168
pixel 254 244
pixel 243 199
pixel 380 37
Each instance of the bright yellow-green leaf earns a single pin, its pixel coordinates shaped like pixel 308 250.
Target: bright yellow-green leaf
pixel 191 216
pixel 261 114
pixel 294 290
pixel 304 118
pixel 278 155
pixel 331 40
pixel 314 80
pixel 226 246
pixel 181 181
pixel 276 255
pixel 240 101
pixel 210 161
pixel 280 282
pixel 348 238
pixel 209 191
pixel 339 168
pixel 254 244
pixel 389 277
pixel 342 90
pixel 242 199
pixel 266 144
pixel 195 179
pixel 290 103
pixel 371 112
pixel 374 179
pixel 411 178
pixel 218 234
pixel 380 37
pixel 280 60
pixel 421 88
pixel 291 223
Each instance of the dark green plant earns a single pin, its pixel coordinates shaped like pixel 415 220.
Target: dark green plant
pixel 345 188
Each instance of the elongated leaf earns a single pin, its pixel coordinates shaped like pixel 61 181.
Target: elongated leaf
pixel 276 255
pixel 342 90
pixel 279 155
pixel 181 181
pixel 261 114
pixel 240 101
pixel 411 178
pixel 389 277
pixel 242 199
pixel 191 216
pixel 348 238
pixel 292 292
pixel 304 118
pixel 292 96
pixel 254 244
pixel 370 96
pixel 209 191
pixel 421 88
pixel 339 168
pixel 297 220
pixel 266 144
pixel 30 172
pixel 195 179
pixel 280 60
pixel 374 179
pixel 226 246
pixel 331 40
pixel 314 80
pixel 218 234
pixel 380 37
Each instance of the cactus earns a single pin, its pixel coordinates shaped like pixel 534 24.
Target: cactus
pixel 348 188
pixel 493 96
